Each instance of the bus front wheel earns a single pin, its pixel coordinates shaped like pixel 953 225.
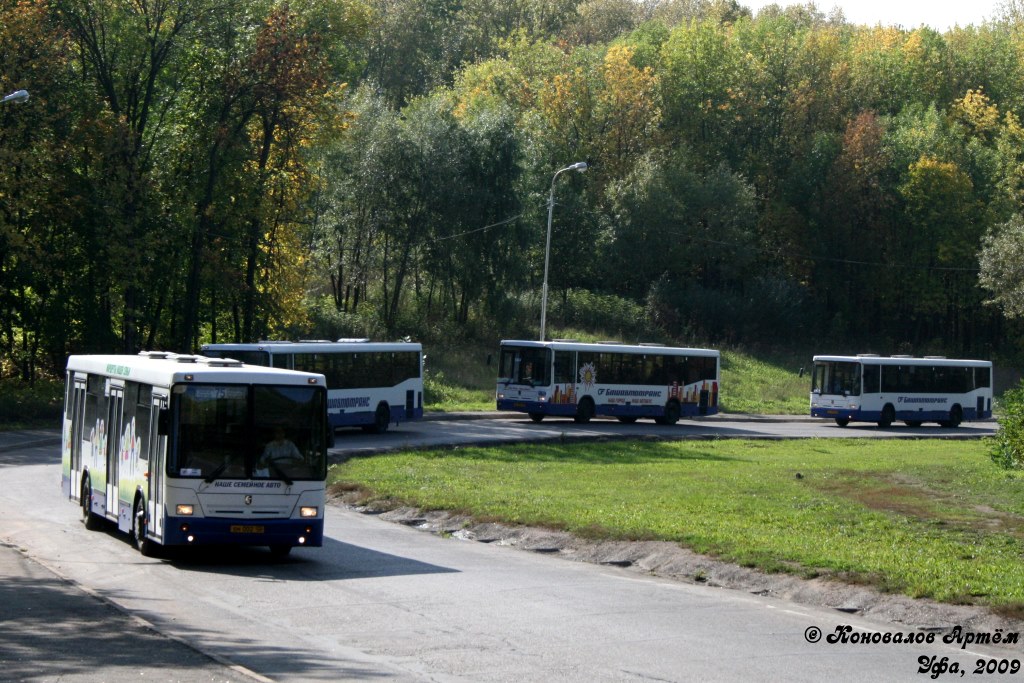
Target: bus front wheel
pixel 956 416
pixel 381 420
pixel 139 528
pixel 842 421
pixel 91 521
pixel 537 417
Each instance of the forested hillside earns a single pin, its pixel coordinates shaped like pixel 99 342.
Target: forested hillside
pixel 189 171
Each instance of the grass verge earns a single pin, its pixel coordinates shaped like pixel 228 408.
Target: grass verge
pixel 936 520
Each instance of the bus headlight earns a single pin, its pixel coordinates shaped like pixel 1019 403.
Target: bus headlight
pixel 308 511
pixel 184 510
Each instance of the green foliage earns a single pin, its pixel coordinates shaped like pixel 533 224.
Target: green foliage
pixel 617 316
pixel 210 168
pixel 1002 254
pixel 932 521
pixel 25 405
pixel 1006 448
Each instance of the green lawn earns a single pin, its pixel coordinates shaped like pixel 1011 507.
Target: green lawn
pixel 924 518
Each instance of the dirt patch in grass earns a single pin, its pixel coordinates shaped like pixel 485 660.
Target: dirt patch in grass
pixel 904 495
pixel 669 560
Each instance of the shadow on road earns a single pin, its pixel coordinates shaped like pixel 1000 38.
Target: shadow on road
pixel 334 561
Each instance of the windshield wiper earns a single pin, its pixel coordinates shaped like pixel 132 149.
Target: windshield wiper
pixel 216 473
pixel 280 475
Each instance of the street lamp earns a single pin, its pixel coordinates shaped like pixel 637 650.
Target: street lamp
pixel 580 166
pixel 16 96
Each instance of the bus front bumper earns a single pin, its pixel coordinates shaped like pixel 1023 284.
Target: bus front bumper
pixel 216 531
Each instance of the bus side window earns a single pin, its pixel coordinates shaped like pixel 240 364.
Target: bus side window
pixel 564 370
pixel 871 379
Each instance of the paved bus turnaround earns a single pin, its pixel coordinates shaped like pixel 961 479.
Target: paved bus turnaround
pixel 369 384
pixel 183 450
pixel 571 379
pixel 883 389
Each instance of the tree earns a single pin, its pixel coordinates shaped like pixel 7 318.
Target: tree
pixel 1001 262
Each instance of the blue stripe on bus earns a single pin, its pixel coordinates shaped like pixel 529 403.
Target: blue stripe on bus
pixel 969 415
pixel 613 410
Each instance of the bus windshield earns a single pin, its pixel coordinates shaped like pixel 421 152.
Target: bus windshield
pixel 524 365
pixel 841 378
pixel 235 431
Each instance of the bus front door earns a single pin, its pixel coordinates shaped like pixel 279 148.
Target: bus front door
pixel 115 417
pixel 157 444
pixel 77 409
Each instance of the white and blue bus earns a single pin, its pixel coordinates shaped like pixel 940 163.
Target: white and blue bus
pixel 171 448
pixel 883 389
pixel 369 384
pixel 572 379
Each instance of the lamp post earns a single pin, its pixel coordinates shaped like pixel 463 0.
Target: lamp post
pixel 16 96
pixel 580 166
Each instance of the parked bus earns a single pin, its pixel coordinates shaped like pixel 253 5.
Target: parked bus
pixel 369 384
pixel 871 388
pixel 571 379
pixel 183 450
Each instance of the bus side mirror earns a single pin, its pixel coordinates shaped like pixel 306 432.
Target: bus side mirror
pixel 163 422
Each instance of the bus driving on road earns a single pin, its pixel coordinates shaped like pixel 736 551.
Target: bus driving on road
pixel 182 450
pixel 369 384
pixel 572 379
pixel 883 389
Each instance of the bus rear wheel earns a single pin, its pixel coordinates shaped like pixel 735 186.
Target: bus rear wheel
pixel 888 415
pixel 584 411
pixel 671 415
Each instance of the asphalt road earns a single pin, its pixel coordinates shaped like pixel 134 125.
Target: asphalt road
pixel 482 428
pixel 383 601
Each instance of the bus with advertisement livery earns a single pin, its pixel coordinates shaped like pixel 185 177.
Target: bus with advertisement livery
pixel 584 380
pixel 884 389
pixel 176 450
pixel 369 384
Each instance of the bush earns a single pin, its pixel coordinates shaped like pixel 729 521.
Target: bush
pixel 1006 448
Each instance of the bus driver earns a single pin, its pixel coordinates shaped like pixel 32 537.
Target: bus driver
pixel 279 450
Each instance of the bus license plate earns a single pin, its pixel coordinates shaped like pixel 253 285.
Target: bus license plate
pixel 831 412
pixel 518 404
pixel 246 529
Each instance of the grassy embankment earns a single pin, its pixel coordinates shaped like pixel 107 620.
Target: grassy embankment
pixel 936 519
